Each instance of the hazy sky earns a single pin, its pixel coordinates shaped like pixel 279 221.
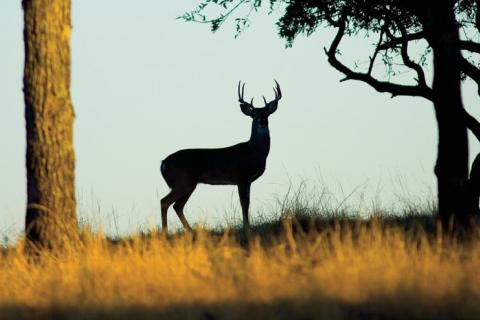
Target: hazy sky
pixel 145 85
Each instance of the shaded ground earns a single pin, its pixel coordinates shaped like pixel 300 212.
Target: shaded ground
pixel 320 308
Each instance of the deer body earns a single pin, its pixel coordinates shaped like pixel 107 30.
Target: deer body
pixel 243 162
pixel 240 164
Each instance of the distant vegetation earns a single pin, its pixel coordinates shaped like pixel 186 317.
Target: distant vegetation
pixel 303 266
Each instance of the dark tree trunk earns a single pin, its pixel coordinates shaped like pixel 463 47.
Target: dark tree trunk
pixel 452 161
pixel 50 159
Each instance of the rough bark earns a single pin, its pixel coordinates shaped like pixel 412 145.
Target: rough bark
pixel 452 160
pixel 50 158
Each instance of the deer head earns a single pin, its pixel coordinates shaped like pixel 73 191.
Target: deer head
pixel 259 115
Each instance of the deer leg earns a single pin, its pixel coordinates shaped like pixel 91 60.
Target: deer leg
pixel 244 193
pixel 166 202
pixel 180 204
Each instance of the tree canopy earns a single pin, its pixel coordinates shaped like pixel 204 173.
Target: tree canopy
pixel 395 24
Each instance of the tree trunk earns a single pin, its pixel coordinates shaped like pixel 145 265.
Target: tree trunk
pixel 50 159
pixel 452 160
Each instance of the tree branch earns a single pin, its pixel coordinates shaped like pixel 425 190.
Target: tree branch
pixel 472 124
pixel 397 41
pixel 377 50
pixel 471 71
pixel 380 86
pixel 406 58
pixel 470 46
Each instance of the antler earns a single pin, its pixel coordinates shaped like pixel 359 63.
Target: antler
pixel 278 93
pixel 246 107
pixel 272 105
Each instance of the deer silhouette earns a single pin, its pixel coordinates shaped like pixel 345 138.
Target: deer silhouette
pixel 240 164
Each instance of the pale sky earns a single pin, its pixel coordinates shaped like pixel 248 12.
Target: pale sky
pixel 145 84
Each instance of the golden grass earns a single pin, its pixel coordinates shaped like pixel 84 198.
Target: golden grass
pixel 342 271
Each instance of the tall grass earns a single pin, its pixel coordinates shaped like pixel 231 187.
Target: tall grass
pixel 314 268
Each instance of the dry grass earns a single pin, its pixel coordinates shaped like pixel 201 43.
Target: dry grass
pixel 348 269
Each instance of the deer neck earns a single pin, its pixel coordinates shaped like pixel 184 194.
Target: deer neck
pixel 260 138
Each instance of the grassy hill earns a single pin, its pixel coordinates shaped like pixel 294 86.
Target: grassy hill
pixel 303 266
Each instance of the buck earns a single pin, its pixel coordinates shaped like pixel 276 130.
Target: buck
pixel 240 164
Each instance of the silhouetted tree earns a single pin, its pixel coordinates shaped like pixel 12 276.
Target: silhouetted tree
pixel 431 25
pixel 50 159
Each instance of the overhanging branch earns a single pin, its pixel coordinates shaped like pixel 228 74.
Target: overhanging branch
pixel 380 86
